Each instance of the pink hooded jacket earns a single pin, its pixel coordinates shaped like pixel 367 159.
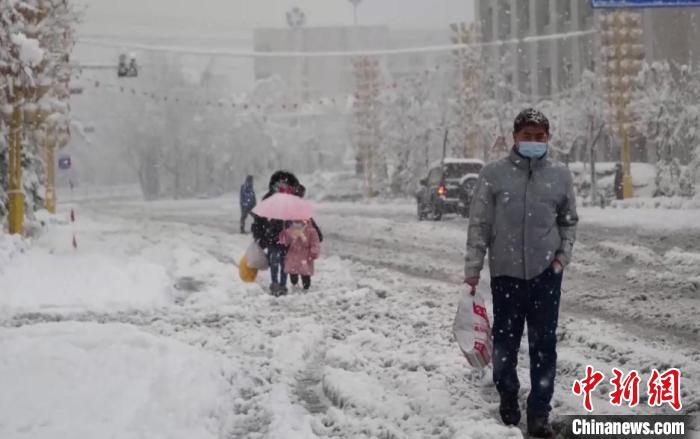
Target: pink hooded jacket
pixel 303 251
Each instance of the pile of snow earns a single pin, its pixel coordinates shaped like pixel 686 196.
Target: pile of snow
pixel 111 270
pixel 628 253
pixel 37 280
pixel 86 380
pixel 334 186
pixel 673 203
pixel 649 219
pixel 10 247
pixel 30 53
pixel 643 177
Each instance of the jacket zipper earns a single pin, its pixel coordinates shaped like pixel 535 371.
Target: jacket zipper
pixel 527 185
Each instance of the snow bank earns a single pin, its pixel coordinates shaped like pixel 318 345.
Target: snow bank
pixel 109 271
pixel 85 380
pixel 334 186
pixel 38 280
pixel 10 247
pixel 651 219
pixel 672 203
pixel 629 253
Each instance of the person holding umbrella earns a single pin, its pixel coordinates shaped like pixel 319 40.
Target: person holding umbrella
pixel 279 205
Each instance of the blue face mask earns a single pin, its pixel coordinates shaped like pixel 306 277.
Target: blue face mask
pixel 532 150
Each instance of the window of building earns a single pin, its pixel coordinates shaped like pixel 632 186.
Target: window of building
pixel 487 24
pixel 523 17
pixel 567 75
pixel 504 21
pixel 546 82
pixel 541 15
pixel 565 10
pixel 508 91
pixel 525 85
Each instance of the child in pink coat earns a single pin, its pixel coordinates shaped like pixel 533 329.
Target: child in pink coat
pixel 304 248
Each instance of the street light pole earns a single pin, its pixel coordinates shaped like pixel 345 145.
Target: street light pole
pixel 355 4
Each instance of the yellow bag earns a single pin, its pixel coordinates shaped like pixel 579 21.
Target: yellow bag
pixel 246 273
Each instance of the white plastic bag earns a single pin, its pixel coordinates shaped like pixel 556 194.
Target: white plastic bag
pixel 472 330
pixel 256 257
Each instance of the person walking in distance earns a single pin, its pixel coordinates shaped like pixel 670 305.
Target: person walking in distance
pixel 247 200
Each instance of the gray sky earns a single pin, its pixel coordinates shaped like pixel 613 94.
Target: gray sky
pixel 182 17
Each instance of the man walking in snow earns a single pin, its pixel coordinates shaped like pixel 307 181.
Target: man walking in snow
pixel 247 200
pixel 523 213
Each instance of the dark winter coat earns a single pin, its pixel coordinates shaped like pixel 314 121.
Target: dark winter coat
pixel 266 232
pixel 523 213
pixel 247 197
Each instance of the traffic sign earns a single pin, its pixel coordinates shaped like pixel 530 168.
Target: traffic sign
pixel 64 162
pixel 643 3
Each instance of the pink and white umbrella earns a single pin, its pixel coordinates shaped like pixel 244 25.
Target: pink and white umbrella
pixel 284 207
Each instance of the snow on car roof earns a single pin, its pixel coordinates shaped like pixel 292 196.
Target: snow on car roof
pixel 452 161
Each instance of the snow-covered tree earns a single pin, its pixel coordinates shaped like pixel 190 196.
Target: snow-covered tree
pixel 36 38
pixel 669 114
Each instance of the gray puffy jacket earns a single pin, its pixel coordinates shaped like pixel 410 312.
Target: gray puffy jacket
pixel 524 213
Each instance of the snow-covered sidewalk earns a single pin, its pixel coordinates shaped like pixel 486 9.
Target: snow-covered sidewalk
pixel 72 364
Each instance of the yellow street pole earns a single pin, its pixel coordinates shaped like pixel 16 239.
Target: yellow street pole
pixel 627 187
pixel 15 192
pixel 49 145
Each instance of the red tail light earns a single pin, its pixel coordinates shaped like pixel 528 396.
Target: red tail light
pixel 442 190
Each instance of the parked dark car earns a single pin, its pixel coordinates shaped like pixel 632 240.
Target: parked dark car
pixel 448 188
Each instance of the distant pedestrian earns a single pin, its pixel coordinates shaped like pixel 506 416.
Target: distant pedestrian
pixel 247 200
pixel 619 187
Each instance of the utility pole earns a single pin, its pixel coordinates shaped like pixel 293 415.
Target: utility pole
pixel 355 4
pixel 367 117
pixel 296 19
pixel 622 56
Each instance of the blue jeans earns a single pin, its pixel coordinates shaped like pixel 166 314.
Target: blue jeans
pixel 276 255
pixel 535 301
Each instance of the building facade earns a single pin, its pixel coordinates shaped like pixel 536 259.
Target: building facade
pixel 318 77
pixel 313 77
pixel 672 34
pixel 543 46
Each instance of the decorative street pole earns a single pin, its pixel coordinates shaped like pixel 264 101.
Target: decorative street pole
pixel 623 54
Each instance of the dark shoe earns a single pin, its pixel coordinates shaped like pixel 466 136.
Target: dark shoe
pixel 274 289
pixel 510 410
pixel 538 426
pixel 283 290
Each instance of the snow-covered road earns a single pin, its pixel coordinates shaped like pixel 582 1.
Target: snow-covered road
pixel 367 353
